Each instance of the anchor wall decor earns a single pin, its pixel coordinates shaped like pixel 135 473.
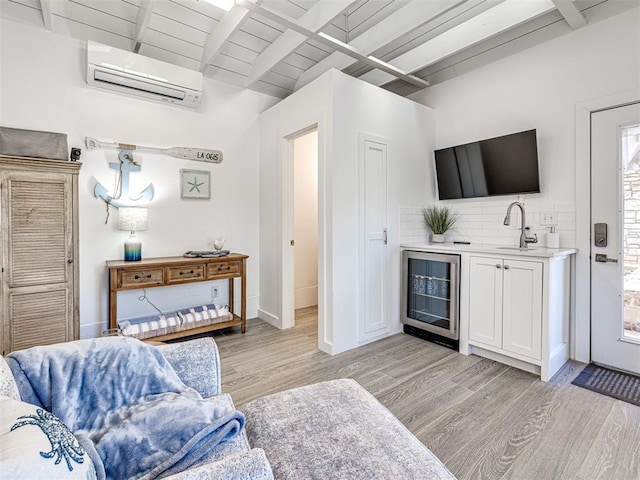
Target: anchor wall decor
pixel 122 197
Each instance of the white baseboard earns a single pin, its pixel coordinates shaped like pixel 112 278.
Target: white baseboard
pixel 270 318
pixel 252 306
pixel 498 357
pixel 92 330
pixel 305 296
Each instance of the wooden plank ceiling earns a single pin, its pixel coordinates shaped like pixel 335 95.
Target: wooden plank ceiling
pixel 277 46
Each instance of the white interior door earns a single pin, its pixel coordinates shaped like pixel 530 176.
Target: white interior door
pixel 374 315
pixel 615 238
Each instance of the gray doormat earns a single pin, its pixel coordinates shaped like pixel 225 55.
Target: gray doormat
pixel 623 386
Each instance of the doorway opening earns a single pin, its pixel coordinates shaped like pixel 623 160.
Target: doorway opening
pixel 305 228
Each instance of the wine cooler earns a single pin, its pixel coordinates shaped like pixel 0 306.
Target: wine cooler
pixel 430 296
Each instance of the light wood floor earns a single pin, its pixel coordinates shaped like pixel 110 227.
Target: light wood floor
pixel 484 420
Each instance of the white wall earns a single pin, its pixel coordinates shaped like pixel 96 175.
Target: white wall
pixel 305 173
pixel 409 129
pixel 42 88
pixel 540 88
pixel 310 106
pixel 356 107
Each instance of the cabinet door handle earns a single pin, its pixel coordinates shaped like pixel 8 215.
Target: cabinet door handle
pixel 498 265
pixel 506 267
pixel 138 277
pixel 190 272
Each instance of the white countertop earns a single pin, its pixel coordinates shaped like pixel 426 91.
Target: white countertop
pixel 532 251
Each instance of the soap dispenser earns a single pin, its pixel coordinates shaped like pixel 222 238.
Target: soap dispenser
pixel 553 239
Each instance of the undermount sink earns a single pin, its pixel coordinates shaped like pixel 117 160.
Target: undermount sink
pixel 520 249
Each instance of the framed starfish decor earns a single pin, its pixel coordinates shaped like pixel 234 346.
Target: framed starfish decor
pixel 195 184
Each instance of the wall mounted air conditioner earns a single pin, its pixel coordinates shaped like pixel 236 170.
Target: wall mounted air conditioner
pixel 127 72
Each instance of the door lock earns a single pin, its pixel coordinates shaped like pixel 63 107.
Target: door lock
pixel 602 257
pixel 600 234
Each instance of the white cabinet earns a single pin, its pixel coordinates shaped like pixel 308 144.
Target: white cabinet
pixel 515 305
pixel 505 305
pixel 485 301
pixel 518 310
pixel 522 308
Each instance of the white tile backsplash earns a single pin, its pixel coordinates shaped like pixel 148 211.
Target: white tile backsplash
pixel 484 224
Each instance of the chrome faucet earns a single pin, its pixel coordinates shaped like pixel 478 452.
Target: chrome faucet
pixel 524 238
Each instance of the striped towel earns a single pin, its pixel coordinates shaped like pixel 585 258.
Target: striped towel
pixel 140 326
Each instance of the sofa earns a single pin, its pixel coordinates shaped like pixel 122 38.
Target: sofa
pixel 328 430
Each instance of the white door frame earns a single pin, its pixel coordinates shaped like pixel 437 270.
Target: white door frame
pixel 610 346
pixel 581 322
pixel 288 254
pixel 325 317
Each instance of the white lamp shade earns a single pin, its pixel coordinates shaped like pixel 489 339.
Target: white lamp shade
pixel 133 219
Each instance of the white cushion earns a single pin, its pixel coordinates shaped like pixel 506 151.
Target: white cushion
pixel 35 444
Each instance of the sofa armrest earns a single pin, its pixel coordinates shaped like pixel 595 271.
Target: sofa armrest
pixel 251 465
pixel 197 363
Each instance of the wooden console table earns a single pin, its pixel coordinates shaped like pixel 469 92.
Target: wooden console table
pixel 163 271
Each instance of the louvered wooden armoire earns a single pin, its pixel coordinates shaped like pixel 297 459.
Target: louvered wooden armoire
pixel 39 251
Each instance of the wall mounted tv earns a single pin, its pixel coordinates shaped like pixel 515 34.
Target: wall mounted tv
pixel 503 165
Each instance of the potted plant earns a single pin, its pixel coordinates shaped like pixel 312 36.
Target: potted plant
pixel 439 219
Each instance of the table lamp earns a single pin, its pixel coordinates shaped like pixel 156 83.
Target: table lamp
pixel 133 219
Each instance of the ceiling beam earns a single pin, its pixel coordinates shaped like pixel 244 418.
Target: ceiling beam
pixel 315 19
pixel 334 43
pixel 221 33
pixel 571 14
pixel 487 24
pixel 142 22
pixel 413 15
pixel 47 16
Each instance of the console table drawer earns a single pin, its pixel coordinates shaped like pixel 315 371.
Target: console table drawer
pixel 141 278
pixel 223 270
pixel 185 273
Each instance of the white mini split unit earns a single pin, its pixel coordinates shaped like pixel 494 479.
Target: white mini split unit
pixel 140 76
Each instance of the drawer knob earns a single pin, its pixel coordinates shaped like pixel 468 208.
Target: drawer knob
pixel 138 277
pixel 506 267
pixel 221 267
pixel 190 272
pixel 498 265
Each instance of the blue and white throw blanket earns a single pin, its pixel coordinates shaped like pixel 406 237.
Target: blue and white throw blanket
pixel 123 396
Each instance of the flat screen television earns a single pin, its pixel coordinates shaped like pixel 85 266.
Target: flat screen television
pixel 503 165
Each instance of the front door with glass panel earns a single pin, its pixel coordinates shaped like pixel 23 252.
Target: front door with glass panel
pixel 615 238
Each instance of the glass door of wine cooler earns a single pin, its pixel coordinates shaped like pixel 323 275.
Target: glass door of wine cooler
pixel 430 292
